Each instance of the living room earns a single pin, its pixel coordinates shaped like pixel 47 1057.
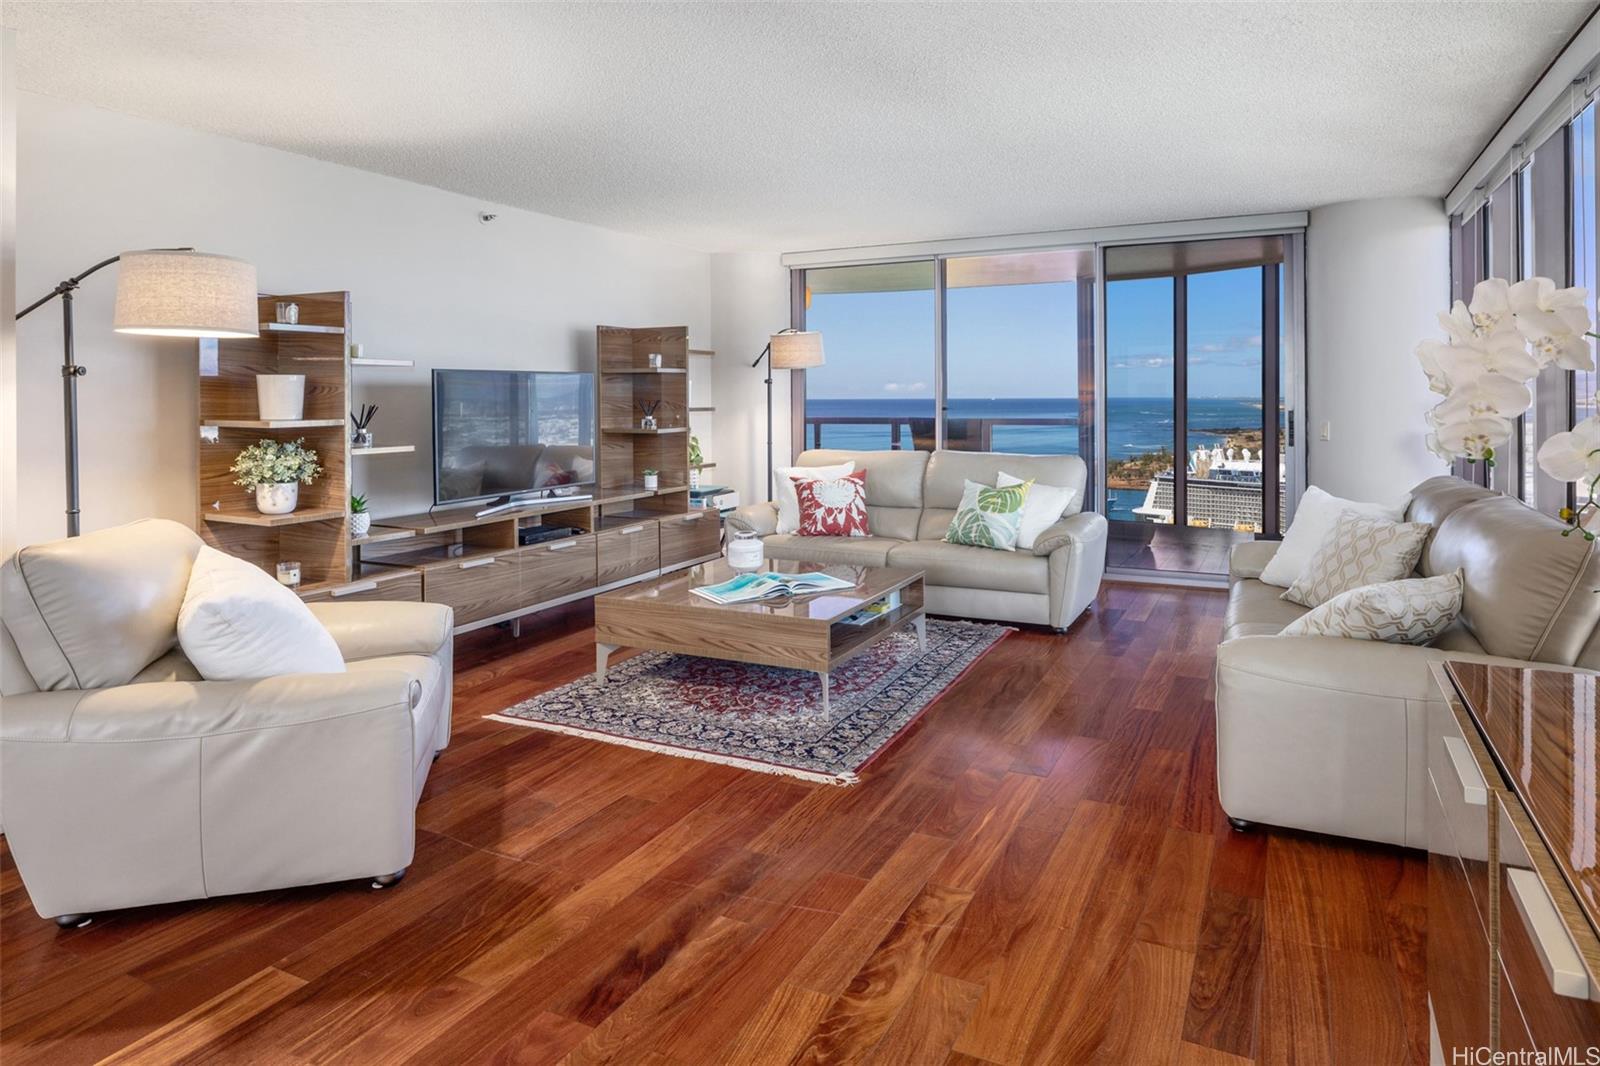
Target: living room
pixel 739 533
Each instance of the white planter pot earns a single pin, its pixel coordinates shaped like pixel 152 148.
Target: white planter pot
pixel 277 499
pixel 652 482
pixel 360 523
pixel 281 397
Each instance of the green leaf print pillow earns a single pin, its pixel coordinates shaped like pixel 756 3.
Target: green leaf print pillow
pixel 989 517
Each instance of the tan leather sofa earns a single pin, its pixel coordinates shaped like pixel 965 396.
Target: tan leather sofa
pixel 1329 734
pixel 125 779
pixel 911 498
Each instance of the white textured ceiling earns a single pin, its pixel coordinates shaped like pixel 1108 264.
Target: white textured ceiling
pixel 802 125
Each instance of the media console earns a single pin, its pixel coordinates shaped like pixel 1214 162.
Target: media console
pixel 477 566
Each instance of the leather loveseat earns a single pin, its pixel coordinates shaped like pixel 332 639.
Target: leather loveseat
pixel 1329 734
pixel 911 498
pixel 126 779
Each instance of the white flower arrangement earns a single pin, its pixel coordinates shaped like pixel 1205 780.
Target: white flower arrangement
pixel 271 462
pixel 1497 345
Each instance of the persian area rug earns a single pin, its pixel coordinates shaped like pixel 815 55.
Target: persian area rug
pixel 764 718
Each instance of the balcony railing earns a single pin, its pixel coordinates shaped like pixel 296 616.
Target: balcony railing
pixel 961 434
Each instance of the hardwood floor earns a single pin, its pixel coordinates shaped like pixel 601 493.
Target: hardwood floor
pixel 1038 872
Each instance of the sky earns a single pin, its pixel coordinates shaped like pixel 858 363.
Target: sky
pixel 1021 340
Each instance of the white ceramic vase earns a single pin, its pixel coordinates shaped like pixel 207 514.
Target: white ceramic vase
pixel 652 482
pixel 277 499
pixel 745 552
pixel 281 397
pixel 360 522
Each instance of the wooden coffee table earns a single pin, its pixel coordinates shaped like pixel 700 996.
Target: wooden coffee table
pixel 803 633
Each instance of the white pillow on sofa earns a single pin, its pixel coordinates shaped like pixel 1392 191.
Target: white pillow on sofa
pixel 1410 611
pixel 1314 519
pixel 1042 509
pixel 237 623
pixel 784 494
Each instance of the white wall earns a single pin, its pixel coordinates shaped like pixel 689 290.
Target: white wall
pixel 750 303
pixel 1377 274
pixel 428 282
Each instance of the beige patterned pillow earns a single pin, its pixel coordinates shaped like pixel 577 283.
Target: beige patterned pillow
pixel 1413 611
pixel 1358 551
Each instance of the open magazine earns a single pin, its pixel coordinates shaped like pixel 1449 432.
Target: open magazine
pixel 749 587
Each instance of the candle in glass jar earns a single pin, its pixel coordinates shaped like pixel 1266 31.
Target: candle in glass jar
pixel 289 574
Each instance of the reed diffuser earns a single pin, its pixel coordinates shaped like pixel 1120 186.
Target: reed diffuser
pixel 362 437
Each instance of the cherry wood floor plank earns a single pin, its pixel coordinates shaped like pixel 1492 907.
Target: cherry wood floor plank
pixel 1037 871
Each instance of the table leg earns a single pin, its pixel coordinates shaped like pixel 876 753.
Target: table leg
pixel 602 652
pixel 921 626
pixel 823 675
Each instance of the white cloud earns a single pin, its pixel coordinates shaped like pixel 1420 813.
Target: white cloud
pixel 905 386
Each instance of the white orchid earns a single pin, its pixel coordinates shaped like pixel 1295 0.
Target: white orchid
pixel 1473 439
pixel 1488 317
pixel 1542 308
pixel 1506 355
pixel 1486 394
pixel 1574 455
pixel 1428 355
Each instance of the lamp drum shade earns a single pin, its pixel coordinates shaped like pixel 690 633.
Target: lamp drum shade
pixel 796 350
pixel 185 294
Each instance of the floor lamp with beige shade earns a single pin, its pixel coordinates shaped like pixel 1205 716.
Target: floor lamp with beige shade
pixel 789 349
pixel 161 292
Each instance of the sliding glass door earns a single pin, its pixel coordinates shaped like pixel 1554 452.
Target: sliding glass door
pixel 1196 412
pixel 1184 426
pixel 877 389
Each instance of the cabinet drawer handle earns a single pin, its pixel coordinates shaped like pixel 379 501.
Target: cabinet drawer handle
pixel 473 564
pixel 563 546
pixel 627 530
pixel 1473 792
pixel 353 588
pixel 1556 952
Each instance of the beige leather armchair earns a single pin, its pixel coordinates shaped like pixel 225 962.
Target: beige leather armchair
pixel 126 779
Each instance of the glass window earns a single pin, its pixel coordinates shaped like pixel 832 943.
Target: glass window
pixel 1583 240
pixel 1139 408
pixel 876 390
pixel 1018 333
pixel 1224 408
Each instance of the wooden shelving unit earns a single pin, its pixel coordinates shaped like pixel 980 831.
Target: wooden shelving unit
pixel 624 382
pixel 316 533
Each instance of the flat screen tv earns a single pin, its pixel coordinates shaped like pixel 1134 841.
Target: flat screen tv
pixel 502 433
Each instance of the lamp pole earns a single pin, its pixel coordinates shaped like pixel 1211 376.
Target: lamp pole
pixel 70 373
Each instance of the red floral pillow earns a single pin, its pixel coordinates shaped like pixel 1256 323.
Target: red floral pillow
pixel 833 507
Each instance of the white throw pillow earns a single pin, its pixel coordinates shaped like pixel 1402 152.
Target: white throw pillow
pixel 1359 551
pixel 788 502
pixel 1313 521
pixel 237 623
pixel 1042 509
pixel 1412 611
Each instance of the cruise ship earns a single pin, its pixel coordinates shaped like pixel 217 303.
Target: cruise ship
pixel 1224 491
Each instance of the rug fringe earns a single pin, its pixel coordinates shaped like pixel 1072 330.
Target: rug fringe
pixel 847 778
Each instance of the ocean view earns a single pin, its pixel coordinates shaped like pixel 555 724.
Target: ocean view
pixel 1134 426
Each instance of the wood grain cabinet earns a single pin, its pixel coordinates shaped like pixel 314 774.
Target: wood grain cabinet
pixel 382 584
pixel 556 569
pixel 1513 875
pixel 477 587
pixel 690 537
pixel 628 550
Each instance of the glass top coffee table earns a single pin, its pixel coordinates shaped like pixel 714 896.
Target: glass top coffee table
pixel 803 632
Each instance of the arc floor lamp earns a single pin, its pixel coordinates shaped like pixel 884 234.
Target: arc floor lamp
pixel 161 292
pixel 789 349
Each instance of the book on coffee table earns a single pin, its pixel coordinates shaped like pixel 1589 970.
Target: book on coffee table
pixel 750 587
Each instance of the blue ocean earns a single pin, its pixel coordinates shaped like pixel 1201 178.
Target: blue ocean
pixel 1134 426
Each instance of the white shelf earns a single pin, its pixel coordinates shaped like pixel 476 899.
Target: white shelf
pixel 295 327
pixel 385 449
pixel 382 362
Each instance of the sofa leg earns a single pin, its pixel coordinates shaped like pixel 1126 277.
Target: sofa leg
pixel 73 921
pixel 437 754
pixel 1240 825
pixel 385 880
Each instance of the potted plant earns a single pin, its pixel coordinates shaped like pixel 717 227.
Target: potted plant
pixel 652 480
pixel 696 460
pixel 360 517
pixel 276 470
